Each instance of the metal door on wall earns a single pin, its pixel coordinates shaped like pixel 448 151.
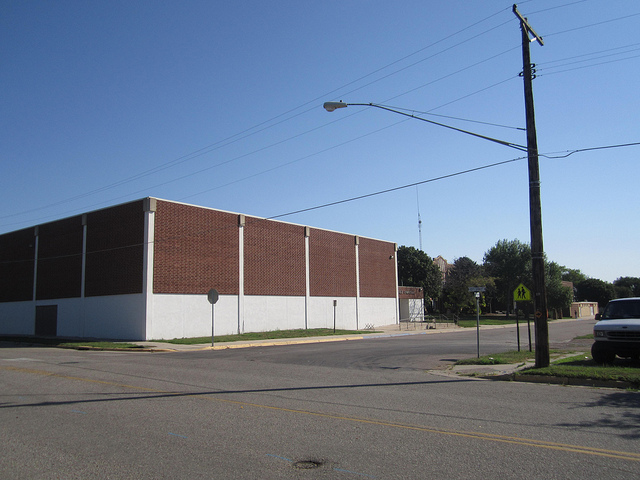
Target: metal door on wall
pixel 46 320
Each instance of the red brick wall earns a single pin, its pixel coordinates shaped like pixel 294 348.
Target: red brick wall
pixel 17 252
pixel 59 259
pixel 274 262
pixel 115 238
pixel 332 264
pixel 377 268
pixel 196 249
pixel 410 292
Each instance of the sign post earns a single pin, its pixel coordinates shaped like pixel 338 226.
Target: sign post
pixel 522 294
pixel 477 291
pixel 213 297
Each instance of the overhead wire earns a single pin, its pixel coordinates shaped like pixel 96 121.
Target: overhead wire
pixel 586 66
pixel 591 25
pixel 265 124
pixel 450 175
pixel 262 125
pixel 361 197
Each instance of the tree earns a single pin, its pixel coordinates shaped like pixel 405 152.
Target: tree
pixel 416 269
pixel 573 275
pixel 559 296
pixel 627 287
pixel 456 291
pixel 594 290
pixel 509 262
pixel 465 273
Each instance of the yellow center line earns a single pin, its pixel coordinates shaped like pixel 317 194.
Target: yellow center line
pixel 631 456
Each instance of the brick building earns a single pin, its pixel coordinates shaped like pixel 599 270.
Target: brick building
pixel 411 303
pixel 142 270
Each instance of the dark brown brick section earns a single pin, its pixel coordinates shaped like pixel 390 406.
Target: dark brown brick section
pixel 195 249
pixel 115 249
pixel 410 292
pixel 274 258
pixel 377 268
pixel 59 259
pixel 17 252
pixel 332 264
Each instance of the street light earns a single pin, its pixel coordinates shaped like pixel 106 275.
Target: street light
pixel 332 106
pixel 535 209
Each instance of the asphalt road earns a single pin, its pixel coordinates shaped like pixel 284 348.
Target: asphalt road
pixel 352 410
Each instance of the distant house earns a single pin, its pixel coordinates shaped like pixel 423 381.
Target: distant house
pixel 444 267
pixel 584 309
pixel 142 270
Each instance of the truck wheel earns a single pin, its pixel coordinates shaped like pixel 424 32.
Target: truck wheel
pixel 602 355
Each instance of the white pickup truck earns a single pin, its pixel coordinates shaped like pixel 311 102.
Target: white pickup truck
pixel 617 331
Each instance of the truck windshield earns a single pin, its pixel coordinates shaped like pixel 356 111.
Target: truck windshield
pixel 622 309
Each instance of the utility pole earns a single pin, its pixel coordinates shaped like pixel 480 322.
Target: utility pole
pixel 535 207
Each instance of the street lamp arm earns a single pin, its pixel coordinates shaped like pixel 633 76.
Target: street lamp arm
pixel 331 106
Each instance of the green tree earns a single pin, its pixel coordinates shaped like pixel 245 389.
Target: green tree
pixel 416 269
pixel 559 296
pixel 627 287
pixel 594 290
pixel 572 275
pixel 509 263
pixel 464 273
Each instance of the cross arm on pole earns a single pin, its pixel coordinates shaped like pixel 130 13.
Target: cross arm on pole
pixel 528 28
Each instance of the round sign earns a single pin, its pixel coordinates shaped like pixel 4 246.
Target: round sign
pixel 213 296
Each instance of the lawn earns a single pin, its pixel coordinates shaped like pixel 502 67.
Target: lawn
pixel 63 343
pixel 105 345
pixel 469 322
pixel 272 335
pixel 580 366
pixel 583 367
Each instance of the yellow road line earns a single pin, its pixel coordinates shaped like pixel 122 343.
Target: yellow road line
pixel 631 456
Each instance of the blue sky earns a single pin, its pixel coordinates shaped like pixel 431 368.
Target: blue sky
pixel 219 104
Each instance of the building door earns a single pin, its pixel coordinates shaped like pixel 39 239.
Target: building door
pixel 46 320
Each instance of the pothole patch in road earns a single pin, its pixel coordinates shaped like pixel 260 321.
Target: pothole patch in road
pixel 307 464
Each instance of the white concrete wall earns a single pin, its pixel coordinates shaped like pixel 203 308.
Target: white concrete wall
pixel 377 311
pixel 115 316
pixel 321 312
pixel 17 318
pixel 411 309
pixel 187 316
pixel 123 317
pixel 184 316
pixel 112 317
pixel 266 313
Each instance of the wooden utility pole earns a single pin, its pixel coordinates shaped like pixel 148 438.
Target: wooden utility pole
pixel 535 207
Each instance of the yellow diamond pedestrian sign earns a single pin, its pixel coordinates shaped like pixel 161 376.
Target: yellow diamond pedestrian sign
pixel 521 294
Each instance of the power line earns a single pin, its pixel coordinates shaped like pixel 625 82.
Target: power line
pixel 269 123
pixel 599 52
pixel 586 66
pixel 265 124
pixel 368 195
pixel 590 149
pixel 450 175
pixel 596 24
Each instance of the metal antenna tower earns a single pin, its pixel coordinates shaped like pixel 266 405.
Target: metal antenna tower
pixel 419 219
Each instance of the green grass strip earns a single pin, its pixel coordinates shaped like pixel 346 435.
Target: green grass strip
pixel 272 335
